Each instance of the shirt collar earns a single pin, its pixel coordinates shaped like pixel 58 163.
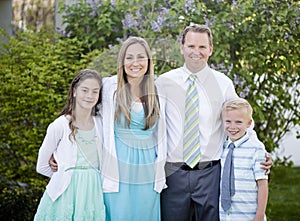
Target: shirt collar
pixel 186 74
pixel 238 142
pixel 201 75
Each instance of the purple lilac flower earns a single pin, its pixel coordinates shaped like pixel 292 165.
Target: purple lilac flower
pixel 138 15
pixel 129 21
pixel 238 80
pixel 164 10
pixel 234 4
pixel 161 19
pixel 188 6
pixel 113 3
pixel 155 26
pixel 245 92
pixel 96 3
pixel 208 21
pixel 220 67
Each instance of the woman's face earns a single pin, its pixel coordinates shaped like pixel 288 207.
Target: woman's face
pixel 135 62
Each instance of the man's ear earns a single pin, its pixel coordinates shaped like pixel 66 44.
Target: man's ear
pixel 211 48
pixel 181 48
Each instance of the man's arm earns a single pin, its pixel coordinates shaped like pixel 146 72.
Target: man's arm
pixel 53 163
pixel 268 164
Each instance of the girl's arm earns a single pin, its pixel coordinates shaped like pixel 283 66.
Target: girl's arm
pixel 48 147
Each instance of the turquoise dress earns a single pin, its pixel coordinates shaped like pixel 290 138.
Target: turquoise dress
pixel 136 152
pixel 83 199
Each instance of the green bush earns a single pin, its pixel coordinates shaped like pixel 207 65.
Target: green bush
pixel 35 73
pixel 98 25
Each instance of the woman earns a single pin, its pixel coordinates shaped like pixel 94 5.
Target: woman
pixel 74 139
pixel 134 148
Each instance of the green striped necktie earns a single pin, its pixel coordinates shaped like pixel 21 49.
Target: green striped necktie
pixel 191 141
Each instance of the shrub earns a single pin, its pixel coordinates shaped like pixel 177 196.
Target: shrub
pixel 36 70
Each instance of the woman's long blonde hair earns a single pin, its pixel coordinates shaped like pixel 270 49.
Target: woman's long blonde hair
pixel 149 97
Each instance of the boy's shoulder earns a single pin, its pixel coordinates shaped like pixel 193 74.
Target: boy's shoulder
pixel 253 141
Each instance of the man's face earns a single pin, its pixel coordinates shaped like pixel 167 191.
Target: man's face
pixel 196 50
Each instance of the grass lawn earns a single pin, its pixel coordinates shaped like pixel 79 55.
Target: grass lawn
pixel 284 194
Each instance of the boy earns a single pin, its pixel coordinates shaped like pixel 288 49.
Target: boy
pixel 244 185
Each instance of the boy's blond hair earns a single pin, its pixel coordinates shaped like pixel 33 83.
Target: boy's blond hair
pixel 236 104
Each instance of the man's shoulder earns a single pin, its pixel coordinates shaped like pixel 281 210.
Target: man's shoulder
pixel 171 74
pixel 220 75
pixel 169 77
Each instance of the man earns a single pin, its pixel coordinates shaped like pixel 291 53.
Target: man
pixel 193 172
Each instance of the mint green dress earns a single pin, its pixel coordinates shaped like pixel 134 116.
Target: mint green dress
pixel 83 199
pixel 136 151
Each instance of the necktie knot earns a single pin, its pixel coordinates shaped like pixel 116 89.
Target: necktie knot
pixel 231 146
pixel 192 77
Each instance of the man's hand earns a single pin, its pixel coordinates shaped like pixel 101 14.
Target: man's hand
pixel 268 164
pixel 53 163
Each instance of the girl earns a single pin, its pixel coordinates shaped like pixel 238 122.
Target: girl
pixel 74 192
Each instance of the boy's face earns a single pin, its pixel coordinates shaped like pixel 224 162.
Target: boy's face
pixel 236 123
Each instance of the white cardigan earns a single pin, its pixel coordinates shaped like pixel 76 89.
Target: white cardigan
pixel 109 168
pixel 57 142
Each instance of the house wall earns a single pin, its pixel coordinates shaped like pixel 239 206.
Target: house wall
pixel 290 147
pixel 6 15
pixel 34 13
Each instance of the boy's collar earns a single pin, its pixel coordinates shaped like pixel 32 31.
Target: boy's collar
pixel 238 142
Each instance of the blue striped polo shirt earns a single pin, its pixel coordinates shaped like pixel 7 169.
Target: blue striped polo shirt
pixel 248 153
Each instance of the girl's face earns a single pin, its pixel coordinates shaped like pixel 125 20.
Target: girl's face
pixel 135 62
pixel 87 93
